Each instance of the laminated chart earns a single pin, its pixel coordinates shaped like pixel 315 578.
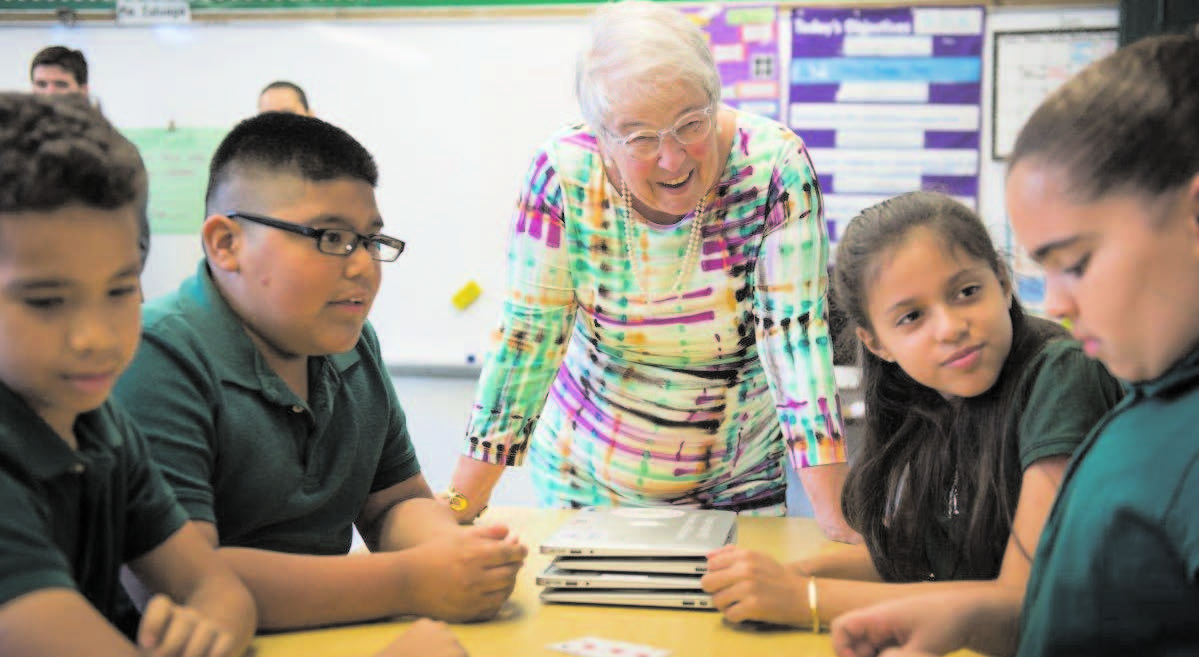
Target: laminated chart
pixel 888 101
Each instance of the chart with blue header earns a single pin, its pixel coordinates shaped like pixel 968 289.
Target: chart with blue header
pixel 888 101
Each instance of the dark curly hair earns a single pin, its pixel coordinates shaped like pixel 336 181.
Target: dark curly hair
pixel 58 151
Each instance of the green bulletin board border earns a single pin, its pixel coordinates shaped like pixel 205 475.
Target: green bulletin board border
pixel 200 6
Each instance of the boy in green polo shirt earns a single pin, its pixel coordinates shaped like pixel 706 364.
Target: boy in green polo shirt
pixel 1103 191
pixel 79 491
pixel 261 388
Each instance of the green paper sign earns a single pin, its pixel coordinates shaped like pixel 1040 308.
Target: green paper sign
pixel 177 161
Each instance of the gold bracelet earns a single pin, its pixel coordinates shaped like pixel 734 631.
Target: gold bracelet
pixel 815 609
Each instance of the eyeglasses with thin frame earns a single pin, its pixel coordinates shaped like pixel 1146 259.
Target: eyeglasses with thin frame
pixel 690 128
pixel 333 241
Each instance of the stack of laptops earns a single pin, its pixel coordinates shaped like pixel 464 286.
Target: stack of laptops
pixel 635 557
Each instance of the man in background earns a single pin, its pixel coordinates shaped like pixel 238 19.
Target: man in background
pixel 58 70
pixel 284 96
pixel 61 70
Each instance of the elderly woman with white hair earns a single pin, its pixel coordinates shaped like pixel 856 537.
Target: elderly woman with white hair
pixel 664 339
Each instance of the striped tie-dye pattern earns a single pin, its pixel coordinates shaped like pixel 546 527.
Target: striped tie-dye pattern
pixel 691 400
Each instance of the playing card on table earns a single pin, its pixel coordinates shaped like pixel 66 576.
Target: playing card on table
pixel 590 646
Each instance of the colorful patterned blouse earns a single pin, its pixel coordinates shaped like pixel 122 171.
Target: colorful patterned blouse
pixel 690 400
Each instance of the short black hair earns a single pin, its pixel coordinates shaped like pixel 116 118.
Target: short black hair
pixel 289 143
pixel 284 84
pixel 60 150
pixel 72 61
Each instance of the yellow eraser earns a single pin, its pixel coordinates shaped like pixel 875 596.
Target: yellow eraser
pixel 467 295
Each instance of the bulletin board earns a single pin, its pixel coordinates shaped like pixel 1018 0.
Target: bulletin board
pixel 888 101
pixel 1028 66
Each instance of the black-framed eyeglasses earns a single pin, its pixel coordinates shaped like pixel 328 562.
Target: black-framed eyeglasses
pixel 333 241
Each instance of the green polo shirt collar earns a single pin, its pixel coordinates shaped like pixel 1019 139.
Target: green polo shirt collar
pixel 240 361
pixel 26 440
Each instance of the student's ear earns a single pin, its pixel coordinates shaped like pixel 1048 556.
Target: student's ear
pixel 222 238
pixel 871 342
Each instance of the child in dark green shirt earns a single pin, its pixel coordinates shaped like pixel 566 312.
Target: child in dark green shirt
pixel 79 492
pixel 1103 191
pixel 972 412
pixel 262 391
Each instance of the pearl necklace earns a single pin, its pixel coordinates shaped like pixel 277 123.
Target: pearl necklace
pixel 689 257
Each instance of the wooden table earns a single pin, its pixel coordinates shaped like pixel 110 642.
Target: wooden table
pixel 526 625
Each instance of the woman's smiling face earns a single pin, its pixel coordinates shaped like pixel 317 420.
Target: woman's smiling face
pixel 673 181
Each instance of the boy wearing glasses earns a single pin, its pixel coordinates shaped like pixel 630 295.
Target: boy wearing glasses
pixel 261 387
pixel 79 493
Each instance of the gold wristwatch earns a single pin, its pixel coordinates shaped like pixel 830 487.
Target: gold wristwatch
pixel 458 502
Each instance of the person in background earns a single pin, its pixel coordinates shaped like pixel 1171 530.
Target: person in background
pixel 972 412
pixel 1103 191
pixel 284 96
pixel 262 389
pixel 78 488
pixel 664 340
pixel 58 70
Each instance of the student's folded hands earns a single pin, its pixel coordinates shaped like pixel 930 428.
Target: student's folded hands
pixel 171 630
pixel 747 585
pixel 466 576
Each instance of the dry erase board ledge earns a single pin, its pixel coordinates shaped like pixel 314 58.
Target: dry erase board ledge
pixel 433 370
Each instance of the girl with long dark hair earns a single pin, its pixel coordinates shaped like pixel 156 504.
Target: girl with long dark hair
pixel 973 409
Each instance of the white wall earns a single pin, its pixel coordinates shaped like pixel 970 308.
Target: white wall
pixel 437 409
pixel 452 109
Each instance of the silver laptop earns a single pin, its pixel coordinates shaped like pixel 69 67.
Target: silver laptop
pixel 630 598
pixel 661 565
pixel 584 579
pixel 643 532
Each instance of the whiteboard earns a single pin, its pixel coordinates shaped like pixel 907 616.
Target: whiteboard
pixel 452 110
pixel 1029 66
